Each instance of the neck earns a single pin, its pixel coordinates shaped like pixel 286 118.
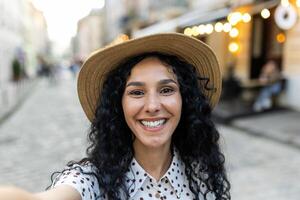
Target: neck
pixel 155 161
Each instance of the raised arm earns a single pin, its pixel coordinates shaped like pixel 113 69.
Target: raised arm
pixel 63 192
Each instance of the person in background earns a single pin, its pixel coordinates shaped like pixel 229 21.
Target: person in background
pixel 270 78
pixel 149 101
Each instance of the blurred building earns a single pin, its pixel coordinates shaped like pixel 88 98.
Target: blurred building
pixel 114 17
pixel 36 41
pixel 90 34
pixel 23 34
pixel 127 16
pixel 246 44
pixel 11 37
pixel 23 37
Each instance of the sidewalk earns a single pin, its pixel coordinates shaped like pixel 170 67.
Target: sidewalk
pixel 279 125
pixel 13 95
pixel 42 135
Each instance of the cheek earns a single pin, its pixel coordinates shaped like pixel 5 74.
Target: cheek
pixel 174 105
pixel 130 107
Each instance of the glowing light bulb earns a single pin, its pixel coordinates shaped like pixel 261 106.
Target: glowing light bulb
pixel 234 32
pixel 280 37
pixel 209 28
pixel 234 18
pixel 202 29
pixel 285 3
pixel 218 27
pixel 246 17
pixel 233 47
pixel 265 13
pixel 188 31
pixel 226 27
pixel 195 31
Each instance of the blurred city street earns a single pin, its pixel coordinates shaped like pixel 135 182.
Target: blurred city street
pixel 50 129
pixel 45 43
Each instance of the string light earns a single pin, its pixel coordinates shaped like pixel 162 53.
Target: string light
pixel 265 13
pixel 285 3
pixel 209 28
pixel 246 17
pixel 201 29
pixel 234 32
pixel 226 27
pixel 188 31
pixel 195 31
pixel 234 18
pixel 218 27
pixel 233 47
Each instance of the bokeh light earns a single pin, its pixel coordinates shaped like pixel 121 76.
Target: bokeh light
pixel 209 28
pixel 234 18
pixel 226 27
pixel 234 32
pixel 233 47
pixel 246 17
pixel 202 29
pixel 285 3
pixel 188 31
pixel 265 13
pixel 280 37
pixel 219 27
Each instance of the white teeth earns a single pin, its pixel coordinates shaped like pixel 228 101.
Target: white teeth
pixel 153 124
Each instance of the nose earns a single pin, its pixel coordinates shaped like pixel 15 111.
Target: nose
pixel 152 103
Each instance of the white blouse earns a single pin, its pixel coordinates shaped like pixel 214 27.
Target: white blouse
pixel 141 185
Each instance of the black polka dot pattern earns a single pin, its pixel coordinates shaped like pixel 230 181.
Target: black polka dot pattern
pixel 173 185
pixel 141 185
pixel 83 183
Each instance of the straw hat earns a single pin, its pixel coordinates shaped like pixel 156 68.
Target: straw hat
pixel 191 50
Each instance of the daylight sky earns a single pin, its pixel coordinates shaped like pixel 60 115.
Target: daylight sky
pixel 62 17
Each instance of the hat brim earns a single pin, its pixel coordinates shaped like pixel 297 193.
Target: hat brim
pixel 193 51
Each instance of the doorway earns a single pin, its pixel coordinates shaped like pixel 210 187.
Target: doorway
pixel 264 45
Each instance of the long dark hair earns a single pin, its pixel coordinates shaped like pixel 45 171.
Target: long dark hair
pixel 195 138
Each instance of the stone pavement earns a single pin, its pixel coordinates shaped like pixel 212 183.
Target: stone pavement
pixel 259 168
pixel 12 95
pixel 50 129
pixel 280 125
pixel 42 136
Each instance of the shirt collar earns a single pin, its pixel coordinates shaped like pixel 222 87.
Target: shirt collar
pixel 176 174
pixel 136 176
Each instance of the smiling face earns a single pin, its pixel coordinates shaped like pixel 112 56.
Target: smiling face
pixel 152 103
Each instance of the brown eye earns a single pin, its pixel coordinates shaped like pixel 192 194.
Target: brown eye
pixel 136 93
pixel 166 91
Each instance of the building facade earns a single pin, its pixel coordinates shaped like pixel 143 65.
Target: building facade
pixel 258 39
pixel 35 38
pixel 23 37
pixel 90 35
pixel 11 37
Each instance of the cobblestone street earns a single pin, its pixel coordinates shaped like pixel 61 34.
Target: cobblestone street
pixel 50 129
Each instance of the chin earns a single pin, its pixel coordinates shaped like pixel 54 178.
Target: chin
pixel 155 143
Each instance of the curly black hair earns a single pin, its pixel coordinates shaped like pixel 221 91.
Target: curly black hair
pixel 195 138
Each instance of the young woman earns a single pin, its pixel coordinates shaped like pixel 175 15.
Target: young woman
pixel 149 102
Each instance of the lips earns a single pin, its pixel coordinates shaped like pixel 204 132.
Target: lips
pixel 153 123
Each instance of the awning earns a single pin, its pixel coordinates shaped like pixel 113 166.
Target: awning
pixel 199 16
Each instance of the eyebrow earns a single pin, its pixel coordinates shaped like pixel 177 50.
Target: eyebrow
pixel 161 82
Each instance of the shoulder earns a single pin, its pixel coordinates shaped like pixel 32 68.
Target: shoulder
pixel 83 178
